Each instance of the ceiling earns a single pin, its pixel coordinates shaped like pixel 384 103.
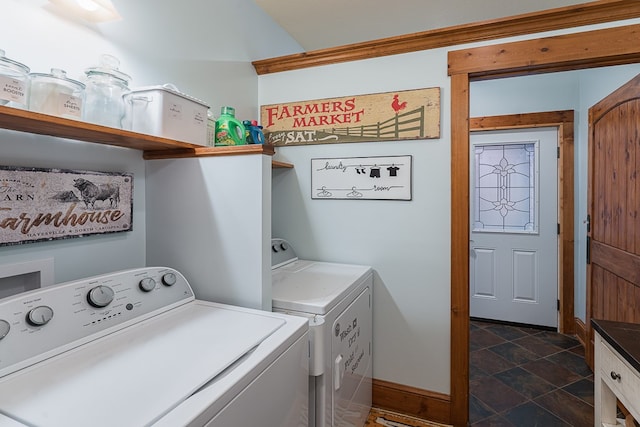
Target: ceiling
pixel 328 23
pixel 247 30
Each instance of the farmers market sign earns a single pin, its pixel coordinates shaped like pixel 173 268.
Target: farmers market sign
pixel 47 204
pixel 391 116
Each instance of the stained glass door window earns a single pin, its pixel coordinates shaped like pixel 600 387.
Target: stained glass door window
pixel 505 190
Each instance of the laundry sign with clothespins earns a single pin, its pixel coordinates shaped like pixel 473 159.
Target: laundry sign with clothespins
pixel 361 178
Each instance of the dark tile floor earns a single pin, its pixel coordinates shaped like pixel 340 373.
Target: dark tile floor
pixel 521 377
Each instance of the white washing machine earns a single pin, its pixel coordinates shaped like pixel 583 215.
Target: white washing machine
pixel 134 348
pixel 336 299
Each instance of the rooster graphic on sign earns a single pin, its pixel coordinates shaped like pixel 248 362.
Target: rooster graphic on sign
pixel 397 105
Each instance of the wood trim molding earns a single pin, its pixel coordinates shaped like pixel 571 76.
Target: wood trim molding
pixel 551 54
pixel 459 375
pixel 564 122
pixel 548 20
pixel 581 332
pixel 428 405
pixel 537 62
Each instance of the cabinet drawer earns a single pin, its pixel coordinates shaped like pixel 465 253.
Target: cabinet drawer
pixel 626 385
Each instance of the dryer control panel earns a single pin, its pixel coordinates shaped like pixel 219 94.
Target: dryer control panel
pixel 281 253
pixel 44 322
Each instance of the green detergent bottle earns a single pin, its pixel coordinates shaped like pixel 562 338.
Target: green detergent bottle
pixel 229 130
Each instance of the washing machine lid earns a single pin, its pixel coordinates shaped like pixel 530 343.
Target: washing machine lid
pixel 314 287
pixel 136 375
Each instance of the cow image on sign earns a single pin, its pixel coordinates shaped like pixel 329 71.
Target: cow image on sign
pixel 391 116
pixel 91 192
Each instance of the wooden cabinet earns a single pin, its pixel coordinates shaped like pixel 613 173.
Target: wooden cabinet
pixel 616 377
pixel 154 147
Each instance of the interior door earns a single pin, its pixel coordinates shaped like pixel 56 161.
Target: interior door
pixel 613 259
pixel 514 226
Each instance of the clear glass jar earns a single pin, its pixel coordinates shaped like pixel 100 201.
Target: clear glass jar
pixel 14 83
pixel 57 95
pixel 104 95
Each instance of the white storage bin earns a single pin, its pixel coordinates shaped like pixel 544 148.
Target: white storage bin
pixel 165 111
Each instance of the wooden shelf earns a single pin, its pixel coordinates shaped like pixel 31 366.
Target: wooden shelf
pixel 276 164
pixel 44 124
pixel 154 147
pixel 200 151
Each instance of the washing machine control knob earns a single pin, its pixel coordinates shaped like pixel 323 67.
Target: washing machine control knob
pixel 169 279
pixel 39 316
pixel 147 284
pixel 100 296
pixel 284 246
pixel 4 328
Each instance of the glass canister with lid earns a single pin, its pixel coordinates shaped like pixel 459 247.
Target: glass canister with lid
pixel 105 91
pixel 14 82
pixel 56 94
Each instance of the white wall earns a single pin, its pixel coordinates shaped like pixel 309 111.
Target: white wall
pixel 224 83
pixel 85 256
pixel 408 243
pixel 210 218
pixel 34 34
pixel 31 33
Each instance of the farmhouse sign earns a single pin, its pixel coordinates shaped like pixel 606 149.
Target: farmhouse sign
pixel 47 204
pixel 391 116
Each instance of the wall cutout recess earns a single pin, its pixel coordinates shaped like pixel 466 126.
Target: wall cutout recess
pixel 25 276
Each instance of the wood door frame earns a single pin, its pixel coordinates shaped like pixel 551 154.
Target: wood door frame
pixel 563 121
pixel 599 48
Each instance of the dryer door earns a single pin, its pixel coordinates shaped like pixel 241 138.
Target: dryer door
pixel 351 363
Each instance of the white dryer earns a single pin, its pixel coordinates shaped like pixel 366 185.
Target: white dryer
pixel 336 298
